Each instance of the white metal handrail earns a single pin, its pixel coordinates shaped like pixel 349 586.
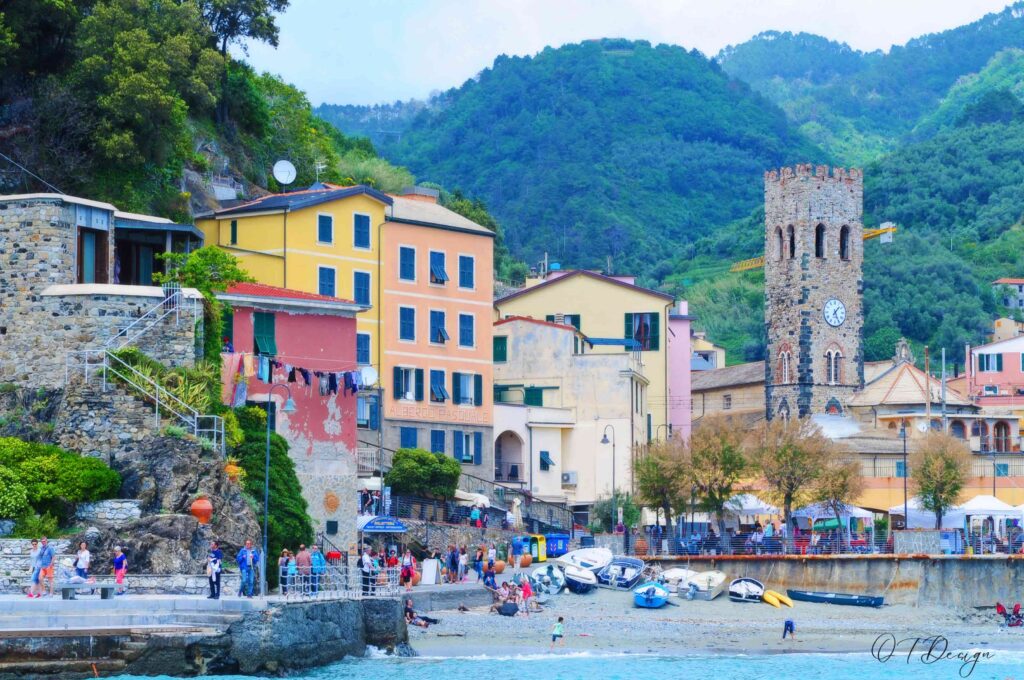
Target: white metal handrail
pixel 103 361
pixel 170 305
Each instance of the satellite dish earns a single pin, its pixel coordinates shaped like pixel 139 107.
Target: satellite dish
pixel 284 172
pixel 923 427
pixel 369 375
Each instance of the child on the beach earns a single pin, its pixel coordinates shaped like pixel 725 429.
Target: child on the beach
pixel 558 632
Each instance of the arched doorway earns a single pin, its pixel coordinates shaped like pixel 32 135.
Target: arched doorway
pixel 508 458
pixel 1001 437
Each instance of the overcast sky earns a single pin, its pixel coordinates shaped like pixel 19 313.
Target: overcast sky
pixel 374 51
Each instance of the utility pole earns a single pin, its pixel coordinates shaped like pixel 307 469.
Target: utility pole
pixel 945 423
pixel 928 390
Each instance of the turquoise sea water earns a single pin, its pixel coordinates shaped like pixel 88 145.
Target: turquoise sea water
pixel 1001 665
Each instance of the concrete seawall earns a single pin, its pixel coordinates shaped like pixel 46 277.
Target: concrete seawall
pixel 918 580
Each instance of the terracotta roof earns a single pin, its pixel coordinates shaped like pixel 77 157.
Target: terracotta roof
pixel 1009 282
pixel 905 384
pixel 530 319
pixel 740 374
pixel 430 214
pixel 593 275
pixel 262 290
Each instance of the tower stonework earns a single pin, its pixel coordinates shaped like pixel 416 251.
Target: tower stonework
pixel 814 254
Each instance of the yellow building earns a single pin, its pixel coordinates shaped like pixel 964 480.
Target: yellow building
pixel 706 354
pixel 615 314
pixel 323 241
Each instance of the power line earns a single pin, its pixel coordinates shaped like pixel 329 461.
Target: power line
pixel 24 169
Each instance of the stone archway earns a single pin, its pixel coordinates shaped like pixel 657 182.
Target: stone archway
pixel 508 458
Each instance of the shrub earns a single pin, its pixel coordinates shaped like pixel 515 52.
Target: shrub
pixel 13 495
pixel 31 525
pixel 54 479
pixel 175 431
pixel 421 473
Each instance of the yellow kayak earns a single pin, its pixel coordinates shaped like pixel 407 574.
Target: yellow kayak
pixel 778 597
pixel 770 599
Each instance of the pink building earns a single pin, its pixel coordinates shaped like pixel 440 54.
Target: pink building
pixel 312 341
pixel 995 382
pixel 679 357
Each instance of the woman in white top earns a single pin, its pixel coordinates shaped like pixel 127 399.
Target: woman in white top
pixel 82 560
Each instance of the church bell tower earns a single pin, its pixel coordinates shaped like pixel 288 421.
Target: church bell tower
pixel 814 252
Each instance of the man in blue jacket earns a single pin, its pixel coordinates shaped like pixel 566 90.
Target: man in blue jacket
pixel 318 564
pixel 248 562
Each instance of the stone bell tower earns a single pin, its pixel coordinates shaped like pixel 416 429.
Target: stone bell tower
pixel 814 251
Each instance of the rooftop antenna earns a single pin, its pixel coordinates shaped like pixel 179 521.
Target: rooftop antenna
pixel 319 165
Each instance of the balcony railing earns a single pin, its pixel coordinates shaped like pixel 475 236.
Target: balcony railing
pixel 373 462
pixel 981 466
pixel 510 473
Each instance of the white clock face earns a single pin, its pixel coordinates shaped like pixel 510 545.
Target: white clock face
pixel 834 312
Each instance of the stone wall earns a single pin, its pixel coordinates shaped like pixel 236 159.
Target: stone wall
pixel 15 564
pixel 798 284
pixel 104 424
pixel 115 512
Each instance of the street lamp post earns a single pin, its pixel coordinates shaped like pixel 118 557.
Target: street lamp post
pixel 903 436
pixel 289 407
pixel 615 505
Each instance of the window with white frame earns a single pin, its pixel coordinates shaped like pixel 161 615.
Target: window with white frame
pixel 990 363
pixel 467 395
pixel 407 383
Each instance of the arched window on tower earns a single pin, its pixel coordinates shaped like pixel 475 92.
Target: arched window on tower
pixel 785 367
pixel 791 235
pixel 833 366
pixel 956 428
pixel 780 245
pixel 844 243
pixel 819 241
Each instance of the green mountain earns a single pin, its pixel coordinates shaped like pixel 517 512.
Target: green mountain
pixel 857 105
pixel 604 149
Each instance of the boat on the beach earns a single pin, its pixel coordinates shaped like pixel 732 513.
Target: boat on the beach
pixel 579 580
pixel 676 577
pixel 746 590
pixel 707 585
pixel 549 579
pixel 621 572
pixel 592 559
pixel 651 595
pixel 837 598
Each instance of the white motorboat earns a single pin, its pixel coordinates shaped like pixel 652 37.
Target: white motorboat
pixel 746 590
pixel 675 577
pixel 579 580
pixel 707 585
pixel 592 559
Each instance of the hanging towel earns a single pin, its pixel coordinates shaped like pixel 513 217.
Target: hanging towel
pixel 306 376
pixel 332 382
pixel 349 384
pixel 291 373
pixel 241 392
pixel 249 363
pixel 265 369
pixel 228 370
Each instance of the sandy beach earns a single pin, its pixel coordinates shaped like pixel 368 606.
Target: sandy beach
pixel 606 621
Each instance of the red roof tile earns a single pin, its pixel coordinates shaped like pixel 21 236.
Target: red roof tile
pixel 562 326
pixel 262 290
pixel 1009 282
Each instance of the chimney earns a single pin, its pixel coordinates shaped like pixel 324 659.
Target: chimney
pixel 424 194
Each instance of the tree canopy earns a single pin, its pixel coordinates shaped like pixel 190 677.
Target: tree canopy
pixel 939 465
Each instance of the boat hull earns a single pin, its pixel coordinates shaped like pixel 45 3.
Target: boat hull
pixel 549 579
pixel 836 598
pixel 593 559
pixel 650 596
pixel 710 585
pixel 621 573
pixel 746 590
pixel 580 581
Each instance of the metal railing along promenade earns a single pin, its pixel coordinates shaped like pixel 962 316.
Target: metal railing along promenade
pixel 339 580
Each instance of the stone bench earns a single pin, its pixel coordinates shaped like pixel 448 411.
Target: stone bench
pixel 68 591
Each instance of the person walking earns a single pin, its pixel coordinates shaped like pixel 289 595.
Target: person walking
pixel 408 569
pixel 120 565
pixel 292 574
pixel 318 567
pixel 46 564
pixel 478 563
pixel 366 567
pixel 248 560
pixel 463 563
pixel 213 568
pixel 305 564
pixel 33 568
pixel 492 554
pixel 82 560
pixel 558 632
pixel 282 570
pixel 453 564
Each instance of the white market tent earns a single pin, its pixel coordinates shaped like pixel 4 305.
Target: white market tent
pixel 825 511
pixel 925 519
pixel 748 504
pixel 988 506
pixel 470 499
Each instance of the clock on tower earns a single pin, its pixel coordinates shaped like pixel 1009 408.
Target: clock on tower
pixel 814 252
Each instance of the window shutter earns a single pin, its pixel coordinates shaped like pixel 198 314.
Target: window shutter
pixel 456 388
pixel 398 382
pixel 478 448
pixel 655 331
pixel 457 452
pixel 574 320
pixel 999 362
pixel 419 384
pixel 550 318
pixel 629 327
pixel 374 415
pixel 478 390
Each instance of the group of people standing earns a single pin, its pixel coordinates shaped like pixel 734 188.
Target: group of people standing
pixel 43 564
pixel 301 573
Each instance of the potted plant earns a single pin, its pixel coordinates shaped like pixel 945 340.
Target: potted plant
pixel 234 471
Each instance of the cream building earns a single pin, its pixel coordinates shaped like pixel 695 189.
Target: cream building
pixel 555 400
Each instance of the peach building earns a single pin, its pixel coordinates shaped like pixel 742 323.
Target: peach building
pixel 436 333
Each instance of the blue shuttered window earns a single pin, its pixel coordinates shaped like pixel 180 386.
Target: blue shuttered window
pixel 478 448
pixel 438 333
pixel 363 349
pixel 324 229
pixel 361 286
pixel 458 441
pixel 467 272
pixel 326 281
pixel 407 264
pixel 437 441
pixel 361 231
pixel 264 332
pixel 466 330
pixel 438 274
pixel 407 436
pixel 234 232
pixel 438 391
pixel 406 323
